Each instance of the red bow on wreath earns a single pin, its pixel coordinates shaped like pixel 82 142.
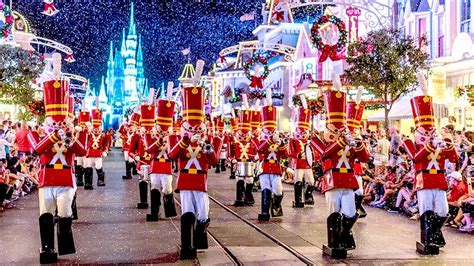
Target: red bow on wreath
pixel 222 59
pixel 279 16
pixel 257 82
pixel 330 51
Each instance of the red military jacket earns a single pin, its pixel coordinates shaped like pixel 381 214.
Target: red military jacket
pixel 57 160
pixel 243 151
pixel 271 154
pixel 123 135
pixel 132 142
pixel 297 152
pixel 338 162
pixel 193 164
pixel 159 151
pixel 429 164
pixel 96 144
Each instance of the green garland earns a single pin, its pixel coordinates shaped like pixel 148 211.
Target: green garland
pixel 316 106
pixel 9 19
pixel 317 39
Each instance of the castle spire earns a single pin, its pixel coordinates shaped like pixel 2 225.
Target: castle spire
pixel 124 46
pixel 102 95
pixel 111 54
pixel 140 52
pixel 132 26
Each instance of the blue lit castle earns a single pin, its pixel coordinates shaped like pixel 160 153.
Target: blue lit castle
pixel 125 82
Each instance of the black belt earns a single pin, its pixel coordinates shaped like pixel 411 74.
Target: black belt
pixel 52 166
pixel 426 171
pixel 197 171
pixel 347 170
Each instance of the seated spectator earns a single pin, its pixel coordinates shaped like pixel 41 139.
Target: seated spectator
pixel 457 193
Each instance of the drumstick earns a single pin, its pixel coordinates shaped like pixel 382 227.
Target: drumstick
pixel 360 90
pixel 169 90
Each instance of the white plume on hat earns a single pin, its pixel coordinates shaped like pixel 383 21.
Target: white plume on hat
pixel 336 81
pixel 304 103
pixel 257 104
pixel 245 101
pixel 422 82
pixel 169 90
pixel 360 90
pixel 268 96
pixel 198 72
pixel 151 95
pixel 56 65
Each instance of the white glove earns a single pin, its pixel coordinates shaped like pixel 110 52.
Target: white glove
pixel 78 128
pixel 348 138
pixel 195 138
pixel 104 154
pixel 137 158
pixel 276 138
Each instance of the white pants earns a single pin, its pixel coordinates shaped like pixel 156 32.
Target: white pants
pixel 433 200
pixel 94 162
pixel 126 157
pixel 80 160
pixel 162 181
pixel 359 191
pixel 341 200
pixel 307 174
pixel 247 179
pixel 272 182
pixel 196 202
pixel 60 197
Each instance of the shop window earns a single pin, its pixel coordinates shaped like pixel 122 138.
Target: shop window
pixel 440 36
pixel 465 15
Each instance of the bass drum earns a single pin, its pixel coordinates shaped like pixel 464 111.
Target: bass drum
pixel 309 155
pixel 245 169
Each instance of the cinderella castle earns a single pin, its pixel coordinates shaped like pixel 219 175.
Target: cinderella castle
pixel 125 83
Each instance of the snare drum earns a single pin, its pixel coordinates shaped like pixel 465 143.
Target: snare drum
pixel 145 172
pixel 245 169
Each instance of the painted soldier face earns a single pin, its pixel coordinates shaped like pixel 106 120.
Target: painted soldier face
pixel 301 134
pixel 189 130
pixel 423 136
pixel 244 136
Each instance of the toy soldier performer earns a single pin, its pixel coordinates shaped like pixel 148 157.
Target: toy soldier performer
pixel 56 177
pixel 194 154
pixel 429 154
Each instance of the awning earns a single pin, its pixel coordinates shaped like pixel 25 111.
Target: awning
pixel 401 109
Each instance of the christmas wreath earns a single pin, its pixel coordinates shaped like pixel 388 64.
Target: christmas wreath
pixel 331 51
pixel 7 25
pixel 256 82
pixel 37 108
pixel 316 106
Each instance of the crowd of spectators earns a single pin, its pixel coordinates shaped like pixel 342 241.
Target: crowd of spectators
pixel 18 166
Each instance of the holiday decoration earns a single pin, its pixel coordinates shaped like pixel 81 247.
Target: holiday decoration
pixel 6 26
pixel 253 95
pixel 69 58
pixel 48 8
pixel 37 108
pixel 256 81
pixel 329 51
pixel 316 106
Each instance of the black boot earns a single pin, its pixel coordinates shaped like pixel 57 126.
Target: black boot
pixel 239 198
pixel 65 238
pixel 188 251
pixel 143 190
pixel 128 170
pixel 347 238
pixel 427 244
pixel 308 195
pixel 47 252
pixel 266 198
pixel 155 200
pixel 360 209
pixel 168 205
pixel 100 177
pixel 74 208
pixel 276 206
pixel 200 234
pixel 223 169
pixel 334 248
pixel 298 203
pixel 88 175
pixel 218 168
pixel 249 200
pixel 438 234
pixel 79 176
pixel 232 172
pixel 134 168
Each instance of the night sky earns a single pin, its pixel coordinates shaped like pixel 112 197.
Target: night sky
pixel 167 27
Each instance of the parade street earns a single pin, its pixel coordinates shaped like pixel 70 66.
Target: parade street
pixel 110 230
